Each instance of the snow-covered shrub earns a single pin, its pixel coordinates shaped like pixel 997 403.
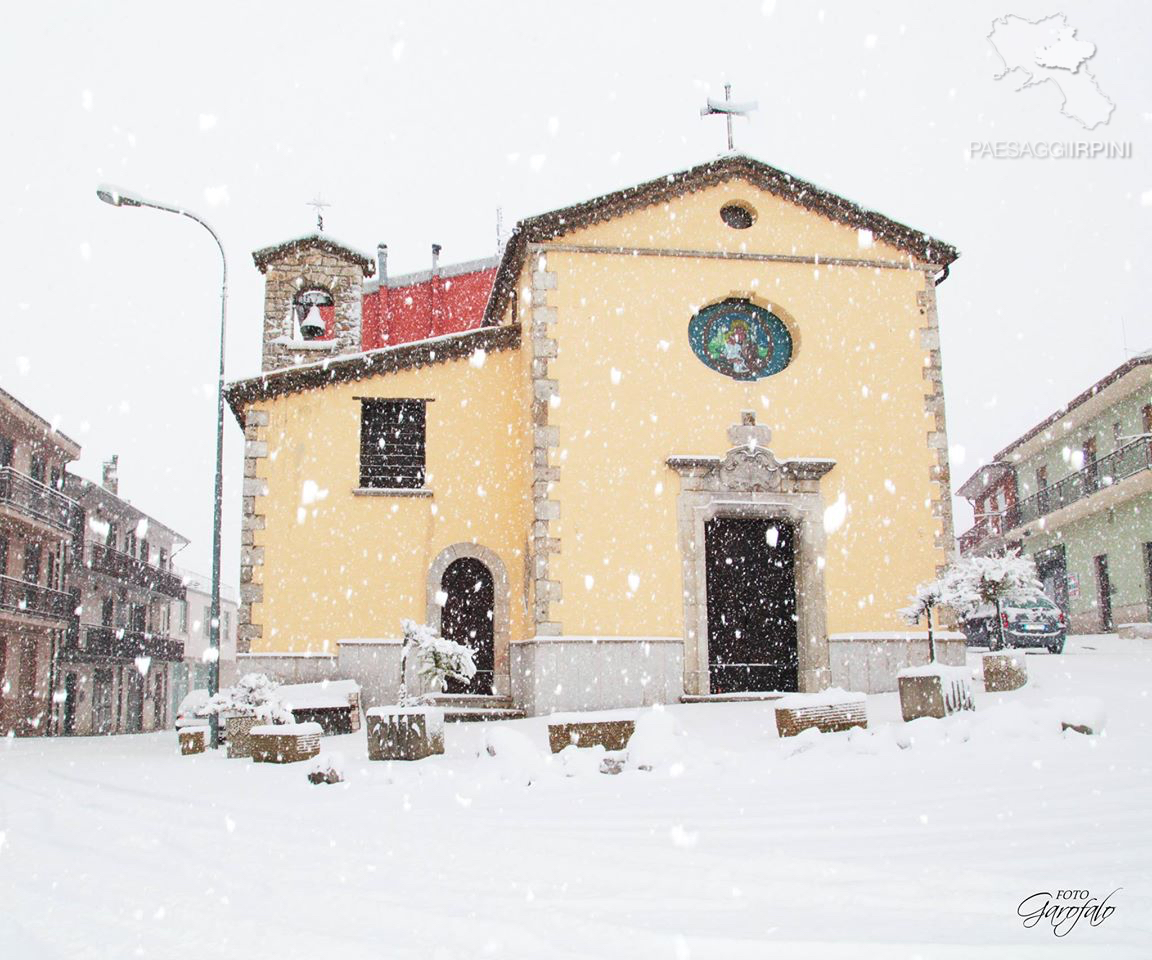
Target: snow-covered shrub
pixel 254 695
pixel 973 582
pixel 437 660
pixel 654 744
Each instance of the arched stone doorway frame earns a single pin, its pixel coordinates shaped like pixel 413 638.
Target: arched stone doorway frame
pixel 501 630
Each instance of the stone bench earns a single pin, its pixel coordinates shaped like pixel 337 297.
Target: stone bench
pixel 285 742
pixel 827 713
pixel 405 733
pixel 1004 671
pixel 193 740
pixel 934 691
pixel 609 734
pixel 238 730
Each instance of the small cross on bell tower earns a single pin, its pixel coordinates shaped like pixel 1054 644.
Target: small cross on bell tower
pixel 320 206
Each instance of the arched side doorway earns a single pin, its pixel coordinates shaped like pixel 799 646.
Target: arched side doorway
pixel 468 617
pixel 468 602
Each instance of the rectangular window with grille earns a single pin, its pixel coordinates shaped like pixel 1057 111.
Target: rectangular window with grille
pixel 392 443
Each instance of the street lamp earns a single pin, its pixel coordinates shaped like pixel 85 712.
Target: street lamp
pixel 121 198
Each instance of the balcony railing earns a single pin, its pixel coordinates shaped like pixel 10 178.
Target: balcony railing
pixel 1100 474
pixel 94 642
pixel 138 573
pixel 19 596
pixel 35 500
pixel 988 526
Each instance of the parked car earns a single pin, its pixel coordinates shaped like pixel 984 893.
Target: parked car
pixel 1037 623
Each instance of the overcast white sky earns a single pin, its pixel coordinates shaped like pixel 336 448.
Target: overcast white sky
pixel 416 121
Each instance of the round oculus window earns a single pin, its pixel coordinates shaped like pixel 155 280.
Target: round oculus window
pixel 740 340
pixel 739 216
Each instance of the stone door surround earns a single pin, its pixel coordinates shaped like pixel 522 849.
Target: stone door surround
pixel 750 482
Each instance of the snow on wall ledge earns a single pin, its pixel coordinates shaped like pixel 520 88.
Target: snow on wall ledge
pixel 560 673
pixel 869 662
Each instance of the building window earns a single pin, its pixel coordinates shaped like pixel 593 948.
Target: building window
pixel 7 449
pixel 145 551
pixel 207 621
pixel 130 543
pixel 37 468
pixel 32 554
pixel 183 616
pixel 3 554
pixel 392 443
pixel 108 612
pixel 738 215
pixel 112 537
pixel 163 560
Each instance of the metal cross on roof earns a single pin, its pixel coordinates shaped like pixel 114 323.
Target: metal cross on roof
pixel 320 206
pixel 729 109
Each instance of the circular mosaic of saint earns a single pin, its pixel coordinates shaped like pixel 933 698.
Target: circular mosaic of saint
pixel 740 340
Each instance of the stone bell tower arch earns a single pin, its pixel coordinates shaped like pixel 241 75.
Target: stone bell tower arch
pixel 299 273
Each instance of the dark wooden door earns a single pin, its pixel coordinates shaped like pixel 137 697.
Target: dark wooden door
pixel 751 583
pixel 467 618
pixel 1103 592
pixel 102 699
pixel 134 707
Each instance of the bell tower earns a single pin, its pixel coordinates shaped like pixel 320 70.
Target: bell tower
pixel 313 290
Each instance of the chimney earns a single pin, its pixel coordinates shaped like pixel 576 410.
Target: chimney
pixel 111 481
pixel 436 258
pixel 382 264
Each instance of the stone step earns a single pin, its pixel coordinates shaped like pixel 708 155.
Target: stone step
pixel 473 714
pixel 743 697
pixel 471 700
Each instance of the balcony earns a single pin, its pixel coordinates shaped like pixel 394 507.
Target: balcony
pixel 985 533
pixel 1102 474
pixel 33 500
pixel 116 643
pixel 28 599
pixel 138 573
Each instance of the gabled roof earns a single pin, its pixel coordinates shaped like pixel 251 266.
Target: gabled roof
pixel 549 226
pixel 361 366
pixel 314 241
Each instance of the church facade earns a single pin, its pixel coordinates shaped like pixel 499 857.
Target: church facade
pixel 683 440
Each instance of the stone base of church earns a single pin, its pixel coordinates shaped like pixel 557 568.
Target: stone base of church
pixel 565 673
pixel 869 662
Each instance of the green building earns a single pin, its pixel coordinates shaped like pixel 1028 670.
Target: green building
pixel 1075 493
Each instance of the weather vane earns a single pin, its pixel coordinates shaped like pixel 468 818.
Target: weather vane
pixel 320 206
pixel 729 109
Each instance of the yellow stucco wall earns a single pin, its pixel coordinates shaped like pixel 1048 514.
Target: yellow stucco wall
pixel 349 566
pixel 632 393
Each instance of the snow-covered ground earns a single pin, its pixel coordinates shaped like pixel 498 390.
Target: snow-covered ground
pixel 904 841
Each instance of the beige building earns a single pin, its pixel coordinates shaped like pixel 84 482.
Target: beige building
pixel 695 445
pixel 190 621
pixel 36 527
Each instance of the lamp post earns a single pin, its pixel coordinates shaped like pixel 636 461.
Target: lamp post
pixel 120 198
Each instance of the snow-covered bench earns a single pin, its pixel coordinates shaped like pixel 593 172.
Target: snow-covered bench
pixel 405 733
pixel 609 734
pixel 934 690
pixel 334 704
pixel 828 711
pixel 193 740
pixel 285 742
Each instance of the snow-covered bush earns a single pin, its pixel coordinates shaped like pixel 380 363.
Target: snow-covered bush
pixel 973 582
pixel 437 660
pixel 254 695
pixel 327 768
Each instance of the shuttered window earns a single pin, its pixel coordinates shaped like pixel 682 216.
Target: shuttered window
pixel 392 443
